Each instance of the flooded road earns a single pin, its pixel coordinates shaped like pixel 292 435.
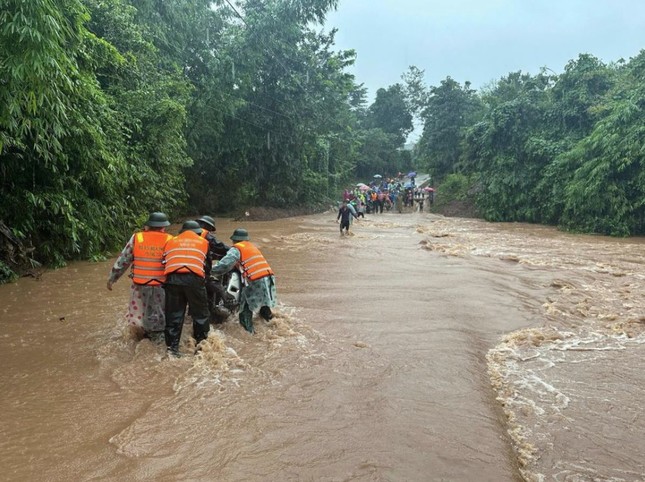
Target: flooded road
pixel 420 348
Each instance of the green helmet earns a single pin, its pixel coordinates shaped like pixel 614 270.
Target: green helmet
pixel 191 226
pixel 157 220
pixel 240 234
pixel 208 221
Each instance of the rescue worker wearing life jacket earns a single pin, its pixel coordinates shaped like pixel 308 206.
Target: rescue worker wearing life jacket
pixel 259 291
pixel 217 251
pixel 187 264
pixel 144 252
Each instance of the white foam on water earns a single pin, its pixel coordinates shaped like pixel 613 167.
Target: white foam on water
pixel 593 326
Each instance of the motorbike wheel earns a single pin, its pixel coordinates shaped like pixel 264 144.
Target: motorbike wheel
pixel 219 313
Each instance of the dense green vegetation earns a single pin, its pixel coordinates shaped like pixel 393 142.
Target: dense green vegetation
pixel 566 150
pixel 110 109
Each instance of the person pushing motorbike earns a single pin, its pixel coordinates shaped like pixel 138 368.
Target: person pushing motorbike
pixel 217 251
pixel 187 264
pixel 259 291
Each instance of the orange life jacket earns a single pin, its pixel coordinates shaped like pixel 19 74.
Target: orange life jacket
pixel 147 249
pixel 186 253
pixel 204 233
pixel 252 263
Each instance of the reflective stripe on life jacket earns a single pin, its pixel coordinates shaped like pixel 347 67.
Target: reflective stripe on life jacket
pixel 252 264
pixel 147 250
pixel 186 253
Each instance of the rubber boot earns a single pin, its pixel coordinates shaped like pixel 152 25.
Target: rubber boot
pixel 175 308
pixel 265 312
pixel 173 349
pixel 172 337
pixel 246 319
pixel 200 332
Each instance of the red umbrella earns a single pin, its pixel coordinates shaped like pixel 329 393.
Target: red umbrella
pixel 428 189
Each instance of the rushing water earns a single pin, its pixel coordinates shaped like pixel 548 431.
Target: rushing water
pixel 419 348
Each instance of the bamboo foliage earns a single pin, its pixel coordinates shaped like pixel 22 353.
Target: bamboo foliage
pixel 556 149
pixel 110 109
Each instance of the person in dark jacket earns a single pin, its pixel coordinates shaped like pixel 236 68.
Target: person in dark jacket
pixel 217 250
pixel 344 214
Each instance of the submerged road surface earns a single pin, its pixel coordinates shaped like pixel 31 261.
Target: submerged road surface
pixel 375 367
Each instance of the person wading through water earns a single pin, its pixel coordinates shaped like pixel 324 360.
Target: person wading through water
pixel 344 214
pixel 187 264
pixel 259 291
pixel 144 252
pixel 217 250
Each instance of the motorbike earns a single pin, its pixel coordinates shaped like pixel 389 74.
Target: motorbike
pixel 226 298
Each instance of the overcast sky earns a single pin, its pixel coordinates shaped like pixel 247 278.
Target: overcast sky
pixel 482 40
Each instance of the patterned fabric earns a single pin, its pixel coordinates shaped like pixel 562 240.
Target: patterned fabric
pixel 257 293
pixel 123 262
pixel 146 306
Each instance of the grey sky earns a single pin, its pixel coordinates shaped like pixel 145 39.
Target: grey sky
pixel 482 40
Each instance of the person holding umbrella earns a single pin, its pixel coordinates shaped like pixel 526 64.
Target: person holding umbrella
pixel 430 192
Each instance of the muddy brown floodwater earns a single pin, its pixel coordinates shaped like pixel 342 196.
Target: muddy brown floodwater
pixel 420 348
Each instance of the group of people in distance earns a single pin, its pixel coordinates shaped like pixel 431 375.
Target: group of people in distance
pixel 172 273
pixel 387 194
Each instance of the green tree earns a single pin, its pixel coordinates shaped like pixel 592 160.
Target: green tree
pixel 390 113
pixel 286 111
pixel 57 131
pixel 605 189
pixel 510 147
pixel 577 93
pixel 88 123
pixel 416 91
pixel 449 110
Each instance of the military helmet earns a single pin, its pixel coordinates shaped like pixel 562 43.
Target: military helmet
pixel 240 234
pixel 157 220
pixel 191 226
pixel 208 221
